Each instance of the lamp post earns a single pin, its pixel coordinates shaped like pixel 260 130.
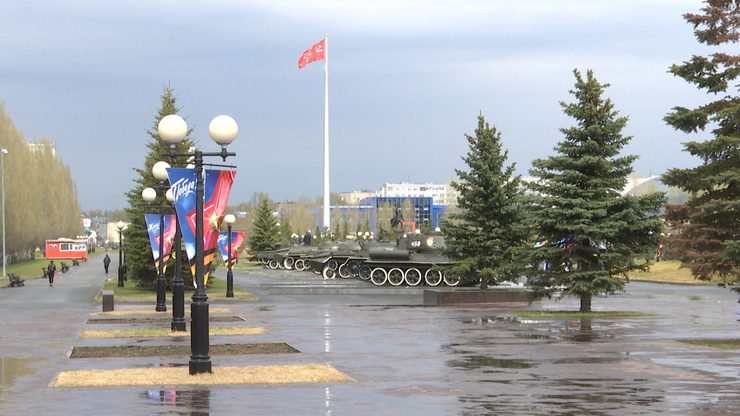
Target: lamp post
pixel 120 225
pixel 178 284
pixel 149 195
pixel 229 220
pixel 159 170
pixel 2 167
pixel 223 130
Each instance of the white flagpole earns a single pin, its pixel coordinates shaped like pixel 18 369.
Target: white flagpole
pixel 327 207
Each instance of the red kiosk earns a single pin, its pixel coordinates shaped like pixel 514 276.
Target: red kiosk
pixel 66 248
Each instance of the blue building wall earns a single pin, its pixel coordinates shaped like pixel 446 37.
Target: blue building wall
pixel 368 211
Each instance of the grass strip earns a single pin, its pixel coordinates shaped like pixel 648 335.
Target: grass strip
pixel 669 271
pixel 216 289
pixel 32 269
pixel 170 376
pixel 125 351
pixel 722 344
pixel 124 312
pixel 576 314
pixel 166 332
pixel 247 265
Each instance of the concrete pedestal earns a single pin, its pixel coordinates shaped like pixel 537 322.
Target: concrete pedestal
pixel 107 300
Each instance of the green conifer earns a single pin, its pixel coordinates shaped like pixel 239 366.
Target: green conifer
pixel 139 260
pixel 709 223
pixel 486 237
pixel 592 234
pixel 265 231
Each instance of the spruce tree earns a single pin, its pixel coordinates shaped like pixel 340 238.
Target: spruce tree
pixel 709 239
pixel 591 236
pixel 486 237
pixel 265 231
pixel 139 260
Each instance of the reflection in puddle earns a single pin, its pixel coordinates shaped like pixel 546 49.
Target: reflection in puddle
pixel 588 360
pixel 588 337
pixel 199 401
pixel 578 396
pixel 481 362
pixel 11 368
pixel 488 320
pixel 543 337
pixel 160 365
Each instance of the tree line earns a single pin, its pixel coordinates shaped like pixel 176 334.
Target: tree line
pixel 40 195
pixel 571 230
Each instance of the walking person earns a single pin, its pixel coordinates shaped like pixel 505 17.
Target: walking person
pixel 106 263
pixel 50 269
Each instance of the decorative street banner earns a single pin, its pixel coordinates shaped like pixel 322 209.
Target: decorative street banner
pixel 237 239
pixel 215 197
pixel 152 226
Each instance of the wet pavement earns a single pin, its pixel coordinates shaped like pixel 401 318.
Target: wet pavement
pixel 404 358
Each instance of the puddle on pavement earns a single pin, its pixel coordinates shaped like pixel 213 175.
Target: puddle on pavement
pixel 199 400
pixel 11 368
pixel 478 362
pixel 489 320
pixel 539 337
pixel 588 337
pixel 159 365
pixel 588 360
pixel 593 396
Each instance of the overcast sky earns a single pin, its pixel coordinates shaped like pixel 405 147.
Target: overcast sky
pixel 407 79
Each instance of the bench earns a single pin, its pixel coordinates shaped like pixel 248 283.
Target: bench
pixel 44 273
pixel 64 266
pixel 15 280
pixel 75 262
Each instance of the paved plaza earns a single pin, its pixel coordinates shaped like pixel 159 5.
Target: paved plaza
pixel 404 358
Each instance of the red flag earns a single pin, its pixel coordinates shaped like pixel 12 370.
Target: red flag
pixel 316 52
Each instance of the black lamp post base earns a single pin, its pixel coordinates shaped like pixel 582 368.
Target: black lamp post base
pixel 199 366
pixel 229 284
pixel 179 325
pixel 178 304
pixel 161 293
pixel 200 359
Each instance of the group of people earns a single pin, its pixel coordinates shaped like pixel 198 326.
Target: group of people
pixel 302 239
pixel 51 269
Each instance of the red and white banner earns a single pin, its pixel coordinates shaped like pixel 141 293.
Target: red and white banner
pixel 316 52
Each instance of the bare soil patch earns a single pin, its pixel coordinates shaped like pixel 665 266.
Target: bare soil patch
pixel 179 350
pixel 120 312
pixel 149 332
pixel 104 321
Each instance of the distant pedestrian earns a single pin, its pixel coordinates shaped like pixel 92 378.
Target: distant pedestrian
pixel 50 269
pixel 307 238
pixel 106 263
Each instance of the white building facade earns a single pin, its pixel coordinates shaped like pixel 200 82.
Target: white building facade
pixel 442 194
